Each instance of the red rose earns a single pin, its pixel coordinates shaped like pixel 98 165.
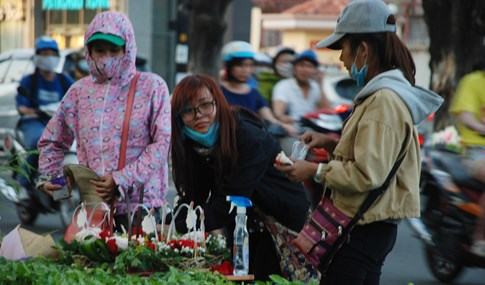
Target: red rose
pixel 112 247
pixel 225 268
pixel 104 234
pixel 151 245
pixel 187 243
pixel 174 244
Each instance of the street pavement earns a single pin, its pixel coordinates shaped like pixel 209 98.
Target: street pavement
pixel 404 266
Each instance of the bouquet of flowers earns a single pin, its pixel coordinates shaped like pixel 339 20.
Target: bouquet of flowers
pixel 150 247
pixel 447 139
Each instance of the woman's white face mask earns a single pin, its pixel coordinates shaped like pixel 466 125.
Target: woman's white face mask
pixel 285 69
pixel 46 62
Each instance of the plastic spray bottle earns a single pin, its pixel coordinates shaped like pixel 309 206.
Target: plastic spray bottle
pixel 241 237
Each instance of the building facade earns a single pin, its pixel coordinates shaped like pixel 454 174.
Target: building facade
pixel 22 21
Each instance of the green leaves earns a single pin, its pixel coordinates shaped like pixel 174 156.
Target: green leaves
pixel 139 259
pixel 278 280
pixel 42 271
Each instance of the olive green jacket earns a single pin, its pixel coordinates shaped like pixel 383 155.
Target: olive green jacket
pixel 370 144
pixel 385 113
pixel 267 81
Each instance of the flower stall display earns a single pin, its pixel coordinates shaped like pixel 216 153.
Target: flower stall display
pixel 149 248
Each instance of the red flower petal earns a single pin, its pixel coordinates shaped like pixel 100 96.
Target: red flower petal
pixel 151 245
pixel 104 234
pixel 225 268
pixel 112 247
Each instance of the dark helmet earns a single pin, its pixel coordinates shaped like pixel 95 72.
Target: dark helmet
pixel 44 43
pixel 309 55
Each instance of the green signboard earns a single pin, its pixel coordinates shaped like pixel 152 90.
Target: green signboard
pixel 74 4
pixel 96 4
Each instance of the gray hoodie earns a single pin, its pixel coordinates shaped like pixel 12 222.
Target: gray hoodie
pixel 420 102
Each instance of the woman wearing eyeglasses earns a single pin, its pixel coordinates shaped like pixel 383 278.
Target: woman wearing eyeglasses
pixel 218 151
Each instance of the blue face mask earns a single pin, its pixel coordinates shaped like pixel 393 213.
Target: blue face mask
pixel 359 75
pixel 206 139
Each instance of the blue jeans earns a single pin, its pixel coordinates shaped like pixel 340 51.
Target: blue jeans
pixel 32 130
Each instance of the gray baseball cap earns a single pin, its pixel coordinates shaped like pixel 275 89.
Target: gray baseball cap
pixel 360 16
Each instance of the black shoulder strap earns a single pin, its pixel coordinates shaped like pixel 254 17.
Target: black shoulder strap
pixel 376 193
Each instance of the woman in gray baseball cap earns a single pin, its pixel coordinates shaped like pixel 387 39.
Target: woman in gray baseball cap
pixel 379 133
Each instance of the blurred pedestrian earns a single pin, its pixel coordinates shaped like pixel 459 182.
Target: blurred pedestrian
pixel 218 151
pixel 238 57
pixel 468 107
pixel 36 91
pixel 379 132
pixel 282 67
pixel 92 114
pixel 299 95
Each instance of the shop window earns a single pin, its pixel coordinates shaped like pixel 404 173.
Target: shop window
pixel 89 15
pixel 73 17
pixel 55 17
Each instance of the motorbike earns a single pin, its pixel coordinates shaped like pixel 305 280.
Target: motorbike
pixel 29 201
pixel 450 210
pixel 327 120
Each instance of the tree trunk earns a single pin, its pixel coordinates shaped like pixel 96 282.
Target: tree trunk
pixel 456 31
pixel 206 33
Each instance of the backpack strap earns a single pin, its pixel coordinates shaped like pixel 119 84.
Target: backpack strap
pixel 64 85
pixel 33 94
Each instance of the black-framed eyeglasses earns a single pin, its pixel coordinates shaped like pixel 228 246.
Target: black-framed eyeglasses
pixel 205 108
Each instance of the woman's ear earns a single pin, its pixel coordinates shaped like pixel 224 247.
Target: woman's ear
pixel 364 51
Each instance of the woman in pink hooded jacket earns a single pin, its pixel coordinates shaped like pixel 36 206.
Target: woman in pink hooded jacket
pixel 92 113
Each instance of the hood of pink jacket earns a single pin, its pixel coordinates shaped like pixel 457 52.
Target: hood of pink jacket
pixel 117 24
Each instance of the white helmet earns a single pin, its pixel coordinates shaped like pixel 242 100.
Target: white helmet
pixel 237 49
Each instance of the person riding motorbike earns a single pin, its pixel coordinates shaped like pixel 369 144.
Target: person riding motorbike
pixel 296 96
pixel 238 57
pixel 468 107
pixel 36 90
pixel 282 68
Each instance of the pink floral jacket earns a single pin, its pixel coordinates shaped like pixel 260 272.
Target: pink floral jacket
pixel 92 114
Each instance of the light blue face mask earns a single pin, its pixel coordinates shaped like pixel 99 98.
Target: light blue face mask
pixel 208 139
pixel 359 75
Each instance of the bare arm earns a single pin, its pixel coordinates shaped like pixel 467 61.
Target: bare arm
pixel 314 139
pixel 324 102
pixel 469 120
pixel 266 114
pixel 279 109
pixel 26 110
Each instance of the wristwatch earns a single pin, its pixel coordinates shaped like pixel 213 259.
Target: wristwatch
pixel 318 175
